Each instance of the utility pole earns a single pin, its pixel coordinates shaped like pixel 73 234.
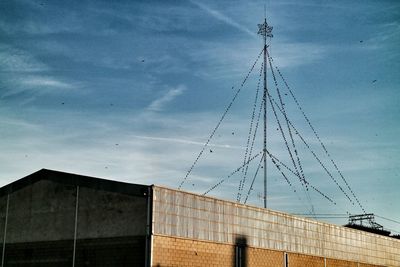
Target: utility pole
pixel 266 31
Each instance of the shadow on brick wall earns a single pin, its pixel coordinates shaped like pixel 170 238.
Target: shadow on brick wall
pixel 240 253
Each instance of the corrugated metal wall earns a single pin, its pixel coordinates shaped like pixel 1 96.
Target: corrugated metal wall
pixel 182 214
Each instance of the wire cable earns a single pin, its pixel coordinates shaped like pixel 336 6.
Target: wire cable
pixel 247 152
pixel 319 139
pixel 231 174
pixel 285 116
pixel 293 172
pixel 390 220
pixel 254 178
pixel 302 181
pixel 219 122
pixel 315 155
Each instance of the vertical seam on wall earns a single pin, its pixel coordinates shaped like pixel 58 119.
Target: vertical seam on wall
pixel 285 259
pixel 75 225
pixel 5 231
pixel 150 198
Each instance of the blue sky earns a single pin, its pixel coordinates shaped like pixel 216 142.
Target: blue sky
pixel 131 90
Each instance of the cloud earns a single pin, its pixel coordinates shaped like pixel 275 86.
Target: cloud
pixel 18 124
pixel 231 63
pixel 17 60
pixel 38 84
pixel 160 103
pixel 45 82
pixel 221 17
pixel 386 39
pixel 20 72
pixel 185 141
pixel 297 54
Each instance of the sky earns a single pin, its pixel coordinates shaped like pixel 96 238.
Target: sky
pixel 132 90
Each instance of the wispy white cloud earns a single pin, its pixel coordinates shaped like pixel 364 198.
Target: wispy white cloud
pixel 18 123
pixel 185 141
pixel 20 71
pixel 45 82
pixel 297 54
pixel 221 17
pixel 219 61
pixel 37 84
pixel 37 28
pixel 17 60
pixel 387 36
pixel 160 103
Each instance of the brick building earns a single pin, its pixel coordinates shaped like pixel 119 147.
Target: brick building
pixel 51 218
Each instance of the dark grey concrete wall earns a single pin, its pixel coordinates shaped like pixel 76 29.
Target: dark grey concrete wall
pixel 111 227
pixel 3 202
pixel 106 214
pixel 43 211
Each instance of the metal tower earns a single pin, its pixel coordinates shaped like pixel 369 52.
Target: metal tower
pixel 266 31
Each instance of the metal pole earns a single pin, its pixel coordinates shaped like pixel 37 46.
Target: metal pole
pixel 266 31
pixel 149 228
pixel 76 225
pixel 5 231
pixel 265 115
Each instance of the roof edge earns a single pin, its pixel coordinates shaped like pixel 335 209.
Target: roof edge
pixel 75 180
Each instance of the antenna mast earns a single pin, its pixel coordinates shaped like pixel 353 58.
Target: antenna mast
pixel 266 31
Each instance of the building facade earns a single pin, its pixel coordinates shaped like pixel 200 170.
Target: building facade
pixel 52 218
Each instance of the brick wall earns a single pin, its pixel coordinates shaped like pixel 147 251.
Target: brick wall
pixel 340 263
pixel 366 265
pixel 264 258
pixel 169 252
pixel 174 252
pixel 300 260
